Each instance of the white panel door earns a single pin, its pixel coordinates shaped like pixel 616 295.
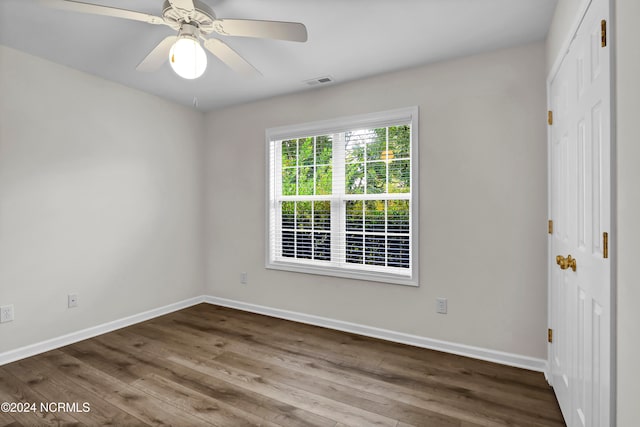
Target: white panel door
pixel 580 300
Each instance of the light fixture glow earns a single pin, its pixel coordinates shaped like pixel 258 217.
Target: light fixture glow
pixel 387 155
pixel 187 58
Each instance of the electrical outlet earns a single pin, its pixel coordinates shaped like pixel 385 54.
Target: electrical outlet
pixel 441 305
pixel 72 300
pixel 243 277
pixel 6 313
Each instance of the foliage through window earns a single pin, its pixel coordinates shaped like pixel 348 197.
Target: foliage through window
pixel 342 197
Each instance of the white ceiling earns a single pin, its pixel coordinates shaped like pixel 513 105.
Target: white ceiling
pixel 348 39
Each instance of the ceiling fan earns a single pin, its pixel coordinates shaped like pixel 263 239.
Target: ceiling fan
pixel 193 20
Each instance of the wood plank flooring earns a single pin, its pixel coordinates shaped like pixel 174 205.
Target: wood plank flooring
pixel 209 365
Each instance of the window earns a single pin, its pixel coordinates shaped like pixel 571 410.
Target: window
pixel 343 197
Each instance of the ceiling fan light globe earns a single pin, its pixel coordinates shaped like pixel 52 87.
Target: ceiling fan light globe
pixel 187 58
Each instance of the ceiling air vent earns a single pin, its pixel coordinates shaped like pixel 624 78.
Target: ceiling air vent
pixel 319 80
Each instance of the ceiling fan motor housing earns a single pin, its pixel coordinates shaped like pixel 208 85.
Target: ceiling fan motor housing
pixel 190 30
pixel 202 17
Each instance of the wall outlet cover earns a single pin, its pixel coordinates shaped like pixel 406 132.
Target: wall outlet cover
pixel 72 300
pixel 441 305
pixel 6 313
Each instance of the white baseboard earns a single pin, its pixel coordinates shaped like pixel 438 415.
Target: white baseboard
pixel 510 359
pixel 41 347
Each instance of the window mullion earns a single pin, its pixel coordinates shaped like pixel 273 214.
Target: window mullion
pixel 388 163
pixel 275 226
pixel 296 230
pixel 386 202
pixel 337 203
pixel 297 167
pixel 313 204
pixel 386 231
pixel 313 230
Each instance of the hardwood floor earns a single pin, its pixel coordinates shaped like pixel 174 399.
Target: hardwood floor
pixel 208 365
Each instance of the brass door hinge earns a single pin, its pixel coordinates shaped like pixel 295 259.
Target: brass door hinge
pixel 605 245
pixel 550 335
pixel 550 226
pixel 550 117
pixel 603 33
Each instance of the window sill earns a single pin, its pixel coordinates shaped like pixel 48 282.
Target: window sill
pixel 373 276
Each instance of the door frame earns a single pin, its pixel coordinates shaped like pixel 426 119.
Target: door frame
pixel 564 49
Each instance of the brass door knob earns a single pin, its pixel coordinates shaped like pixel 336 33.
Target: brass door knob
pixel 567 262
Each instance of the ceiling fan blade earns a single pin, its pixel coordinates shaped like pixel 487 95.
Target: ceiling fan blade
pixel 292 31
pixel 230 57
pixel 157 56
pixel 94 9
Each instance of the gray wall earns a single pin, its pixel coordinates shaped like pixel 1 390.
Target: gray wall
pixel 482 203
pixel 100 195
pixel 627 105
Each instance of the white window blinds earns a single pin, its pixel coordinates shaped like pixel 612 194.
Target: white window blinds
pixel 343 197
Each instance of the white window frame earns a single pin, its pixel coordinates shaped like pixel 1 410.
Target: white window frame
pixel 401 276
